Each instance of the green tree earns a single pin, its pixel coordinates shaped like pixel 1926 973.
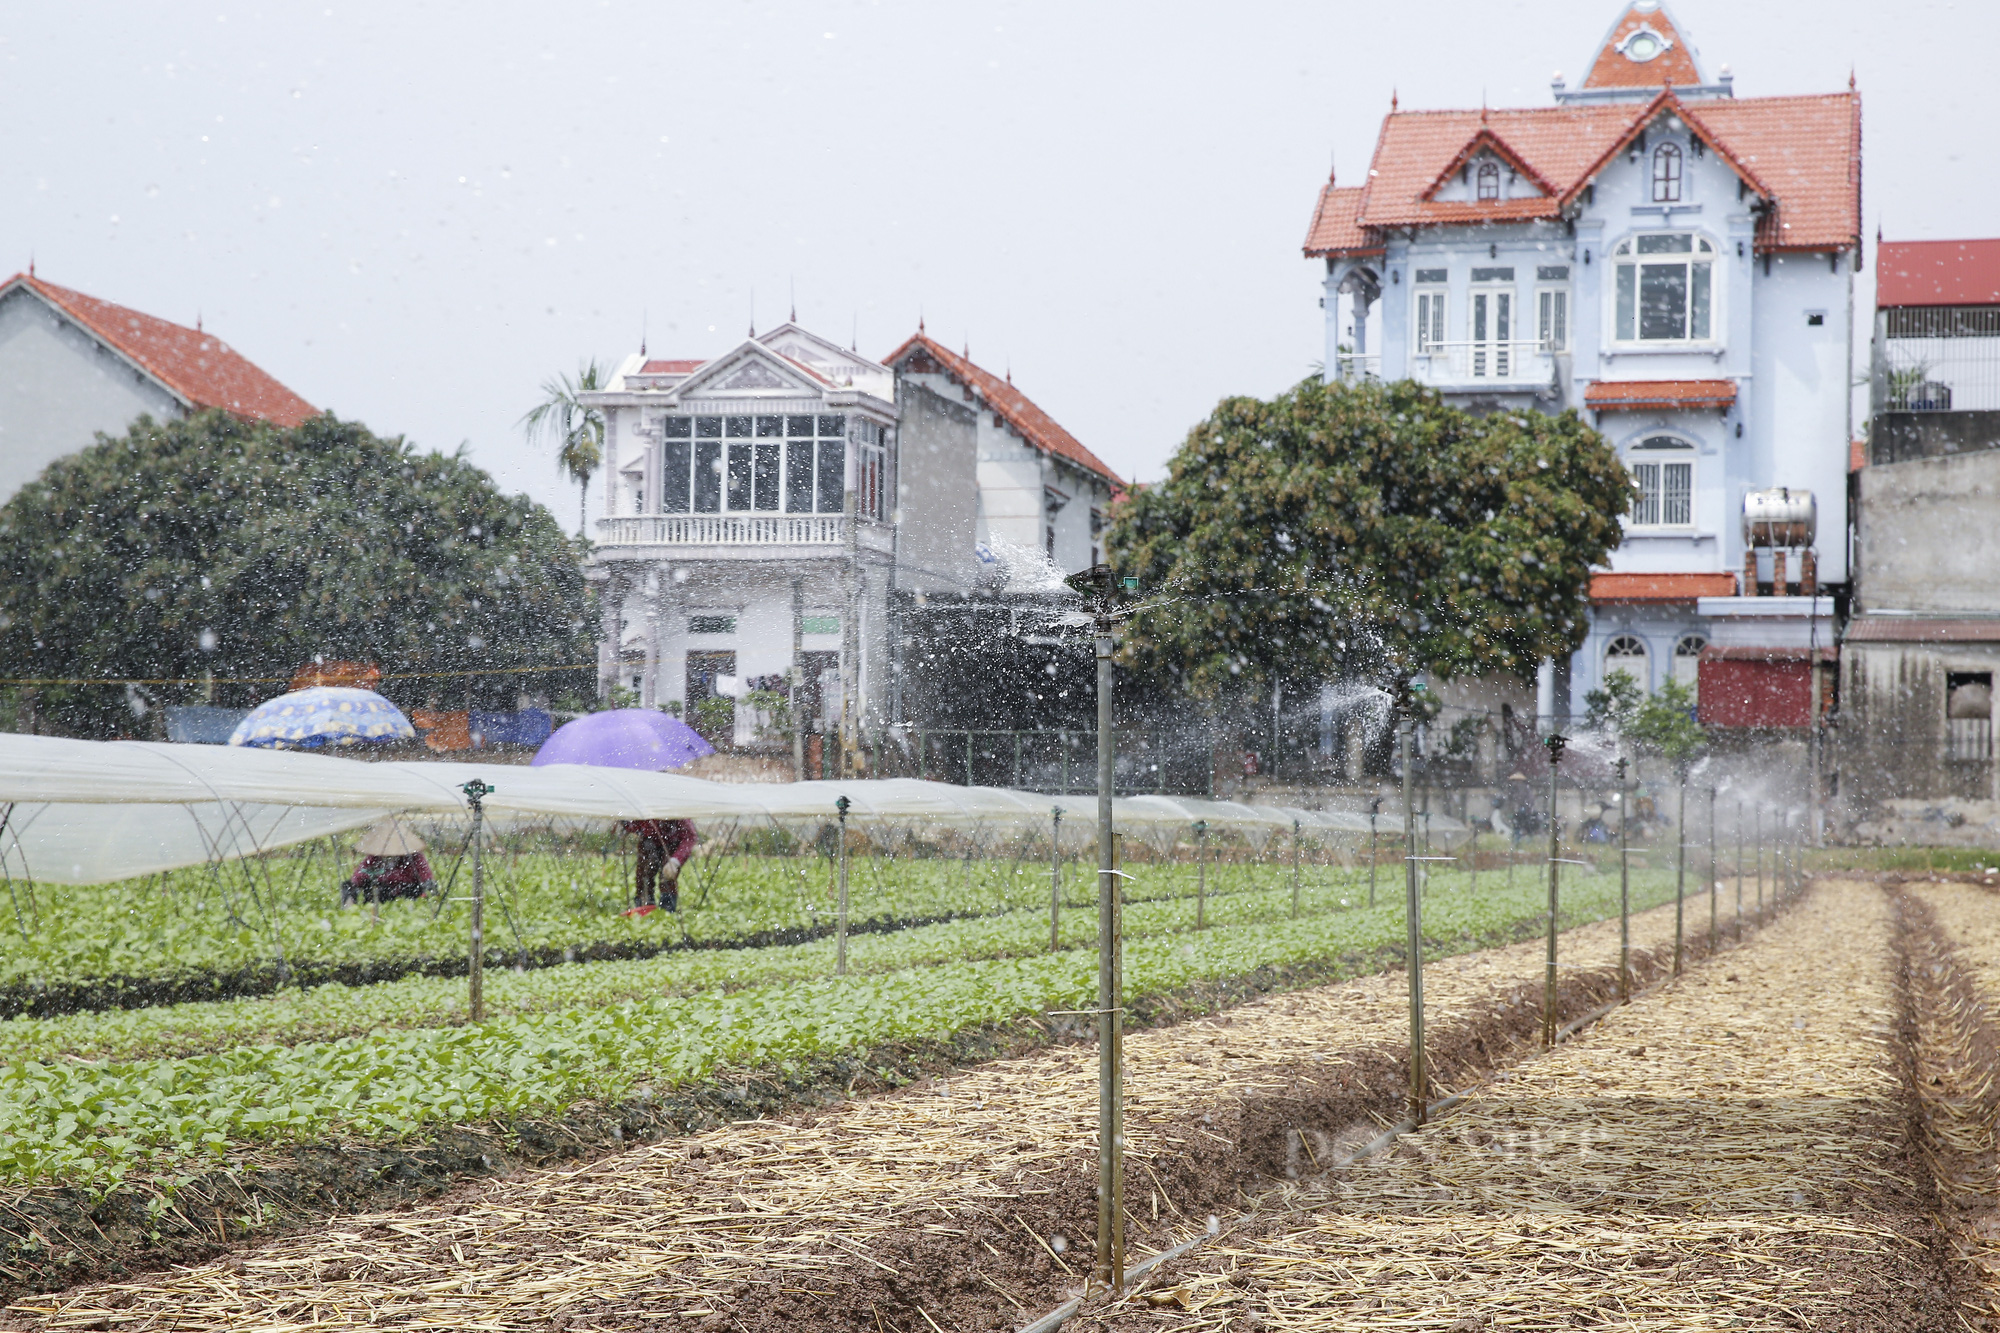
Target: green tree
pixel 576 430
pixel 1612 706
pixel 1664 724
pixel 1367 530
pixel 223 546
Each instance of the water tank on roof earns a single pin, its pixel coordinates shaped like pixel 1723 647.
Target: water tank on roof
pixel 1781 516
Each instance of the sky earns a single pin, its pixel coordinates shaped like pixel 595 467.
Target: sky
pixel 415 213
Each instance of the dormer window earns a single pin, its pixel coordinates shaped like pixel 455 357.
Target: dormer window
pixel 1664 288
pixel 1667 174
pixel 1489 181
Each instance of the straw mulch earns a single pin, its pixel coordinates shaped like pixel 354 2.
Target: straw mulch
pixel 966 1202
pixel 1721 1154
pixel 1950 945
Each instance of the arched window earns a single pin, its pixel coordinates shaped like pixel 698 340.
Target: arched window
pixel 1627 653
pixel 1667 174
pixel 1662 468
pixel 1489 181
pixel 1687 661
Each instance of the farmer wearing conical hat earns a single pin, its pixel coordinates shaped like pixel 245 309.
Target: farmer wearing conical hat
pixel 392 866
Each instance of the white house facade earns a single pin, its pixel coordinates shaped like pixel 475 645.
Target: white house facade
pixel 769 509
pixel 1676 264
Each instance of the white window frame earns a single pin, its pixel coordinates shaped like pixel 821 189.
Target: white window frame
pixel 1643 677
pixel 1626 256
pixel 1492 357
pixel 1670 187
pixel 1652 490
pixel 1547 295
pixel 1692 676
pixel 1432 299
pixel 1485 171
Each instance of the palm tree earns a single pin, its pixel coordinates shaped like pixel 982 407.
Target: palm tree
pixel 578 431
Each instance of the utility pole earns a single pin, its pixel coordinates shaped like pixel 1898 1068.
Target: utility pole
pixel 475 958
pixel 1555 741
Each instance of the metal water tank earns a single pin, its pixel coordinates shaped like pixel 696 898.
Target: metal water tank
pixel 1781 516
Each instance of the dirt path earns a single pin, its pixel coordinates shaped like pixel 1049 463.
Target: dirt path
pixel 967 1201
pixel 1728 1152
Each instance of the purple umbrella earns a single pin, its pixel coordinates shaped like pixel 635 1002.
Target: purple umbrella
pixel 625 738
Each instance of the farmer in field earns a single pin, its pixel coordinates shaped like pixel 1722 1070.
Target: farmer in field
pixel 392 866
pixel 664 847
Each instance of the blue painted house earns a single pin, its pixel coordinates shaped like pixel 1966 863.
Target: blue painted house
pixel 1677 264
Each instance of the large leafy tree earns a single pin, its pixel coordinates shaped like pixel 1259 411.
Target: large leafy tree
pixel 1367 531
pixel 576 430
pixel 221 547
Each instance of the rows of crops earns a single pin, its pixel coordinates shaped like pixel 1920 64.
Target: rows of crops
pixel 163 1090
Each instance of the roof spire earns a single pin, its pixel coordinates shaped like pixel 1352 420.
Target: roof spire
pixel 1850 79
pixel 920 320
pixel 197 321
pixel 31 264
pixel 753 312
pixel 642 332
pixel 1332 167
pixel 795 299
pixel 1392 100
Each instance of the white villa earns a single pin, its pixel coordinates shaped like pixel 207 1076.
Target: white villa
pixel 772 509
pixel 1677 264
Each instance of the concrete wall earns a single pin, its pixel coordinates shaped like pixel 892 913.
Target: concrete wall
pixel 1897 436
pixel 937 491
pixel 1926 535
pixel 58 388
pixel 1892 739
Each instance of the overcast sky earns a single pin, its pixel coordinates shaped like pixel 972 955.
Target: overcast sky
pixel 412 213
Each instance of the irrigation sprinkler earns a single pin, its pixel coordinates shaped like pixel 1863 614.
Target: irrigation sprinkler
pixel 1555 741
pixel 1413 912
pixel 475 960
pixel 1295 870
pixel 1624 895
pixel 840 919
pixel 1680 864
pixel 1055 878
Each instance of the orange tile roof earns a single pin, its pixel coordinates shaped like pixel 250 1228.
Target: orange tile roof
pixel 1937 273
pixel 1035 426
pixel 1612 69
pixel 1638 395
pixel 1804 153
pixel 1334 230
pixel 1660 587
pixel 198 367
pixel 671 367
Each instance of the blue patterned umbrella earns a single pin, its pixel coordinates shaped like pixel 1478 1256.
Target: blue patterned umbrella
pixel 324 717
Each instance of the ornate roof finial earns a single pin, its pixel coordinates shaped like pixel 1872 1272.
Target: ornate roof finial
pixel 642 333
pixel 1332 165
pixel 1850 79
pixel 197 321
pixel 920 321
pixel 31 265
pixel 1392 100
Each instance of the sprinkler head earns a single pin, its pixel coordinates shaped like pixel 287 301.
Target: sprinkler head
pixel 1555 742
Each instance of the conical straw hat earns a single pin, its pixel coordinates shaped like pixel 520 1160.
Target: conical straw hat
pixel 387 837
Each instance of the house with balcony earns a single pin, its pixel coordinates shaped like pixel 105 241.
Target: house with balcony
pixel 1923 641
pixel 776 514
pixel 1675 263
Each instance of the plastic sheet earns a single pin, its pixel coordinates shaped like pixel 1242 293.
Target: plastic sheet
pixel 182 805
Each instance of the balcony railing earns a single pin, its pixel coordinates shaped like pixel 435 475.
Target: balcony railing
pixel 723 530
pixel 1511 361
pixel 1357 365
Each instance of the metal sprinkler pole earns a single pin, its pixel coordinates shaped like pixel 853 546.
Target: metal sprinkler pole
pixel 1295 870
pixel 475 957
pixel 1624 896
pixel 1680 866
pixel 1413 912
pixel 840 921
pixel 1110 1028
pixel 1760 864
pixel 1055 878
pixel 1739 871
pixel 1714 884
pixel 1555 742
pixel 1374 851
pixel 1201 874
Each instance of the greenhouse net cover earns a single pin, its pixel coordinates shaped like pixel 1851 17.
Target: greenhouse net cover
pixel 88 812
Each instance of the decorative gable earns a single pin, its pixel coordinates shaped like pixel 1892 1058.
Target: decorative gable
pixel 752 370
pixel 1487 171
pixel 1644 49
